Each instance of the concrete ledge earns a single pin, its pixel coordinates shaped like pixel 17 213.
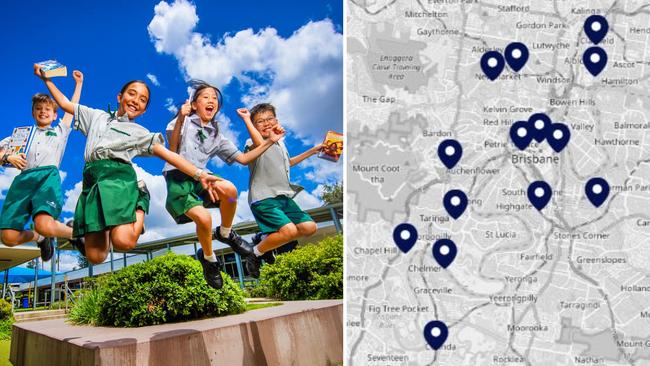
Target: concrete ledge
pixel 295 333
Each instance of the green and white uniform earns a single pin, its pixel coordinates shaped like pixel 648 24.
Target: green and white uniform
pixel 269 191
pixel 37 189
pixel 110 194
pixel 197 144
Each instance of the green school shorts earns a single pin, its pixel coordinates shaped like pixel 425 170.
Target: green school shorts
pixel 273 213
pixel 109 197
pixel 33 191
pixel 183 193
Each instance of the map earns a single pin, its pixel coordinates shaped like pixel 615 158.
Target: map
pixel 562 278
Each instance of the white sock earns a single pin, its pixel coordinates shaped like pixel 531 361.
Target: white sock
pixel 211 258
pixel 225 231
pixel 256 251
pixel 39 237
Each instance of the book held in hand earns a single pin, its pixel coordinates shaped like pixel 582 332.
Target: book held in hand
pixel 20 141
pixel 52 68
pixel 333 146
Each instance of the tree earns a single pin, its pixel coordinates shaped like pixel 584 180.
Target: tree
pixel 332 193
pixel 82 262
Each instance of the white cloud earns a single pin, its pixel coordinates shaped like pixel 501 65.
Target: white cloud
pixel 307 200
pixel 154 79
pixel 322 171
pixel 171 107
pixel 172 24
pixel 7 176
pixel 302 73
pixel 71 197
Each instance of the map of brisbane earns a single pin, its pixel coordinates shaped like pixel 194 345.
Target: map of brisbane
pixel 498 182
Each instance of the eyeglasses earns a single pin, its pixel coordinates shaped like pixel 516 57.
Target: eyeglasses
pixel 266 120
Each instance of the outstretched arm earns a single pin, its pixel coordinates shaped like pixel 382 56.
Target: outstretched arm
pixel 175 137
pixel 59 97
pixel 79 80
pixel 251 155
pixel 186 167
pixel 256 137
pixel 298 158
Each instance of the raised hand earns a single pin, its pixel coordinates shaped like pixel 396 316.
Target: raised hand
pixel 38 72
pixel 244 113
pixel 317 148
pixel 186 108
pixel 78 76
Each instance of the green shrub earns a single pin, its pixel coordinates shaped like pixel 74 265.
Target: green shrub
pixel 86 308
pixel 6 311
pixel 169 288
pixel 256 290
pixel 311 272
pixel 58 305
pixel 5 329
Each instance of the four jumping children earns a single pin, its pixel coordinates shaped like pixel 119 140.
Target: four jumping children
pixel 112 204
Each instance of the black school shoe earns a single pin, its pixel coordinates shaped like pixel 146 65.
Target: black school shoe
pixel 211 270
pixel 253 264
pixel 238 245
pixel 47 249
pixel 268 257
pixel 77 243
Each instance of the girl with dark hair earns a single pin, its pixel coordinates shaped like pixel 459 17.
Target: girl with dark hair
pixel 194 134
pixel 113 203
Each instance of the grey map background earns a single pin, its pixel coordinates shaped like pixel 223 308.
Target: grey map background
pixel 567 286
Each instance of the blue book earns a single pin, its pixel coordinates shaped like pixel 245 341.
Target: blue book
pixel 52 68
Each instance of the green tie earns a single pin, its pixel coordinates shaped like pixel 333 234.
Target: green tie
pixel 201 135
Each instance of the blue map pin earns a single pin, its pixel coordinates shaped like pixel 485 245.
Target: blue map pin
pixel 596 28
pixel 520 134
pixel 558 136
pixel 597 190
pixel 444 251
pixel 516 55
pixel 450 152
pixel 492 64
pixel 595 60
pixel 436 332
pixel 538 124
pixel 455 202
pixel 539 194
pixel 405 236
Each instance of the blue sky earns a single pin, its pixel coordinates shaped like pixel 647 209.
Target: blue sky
pixel 287 53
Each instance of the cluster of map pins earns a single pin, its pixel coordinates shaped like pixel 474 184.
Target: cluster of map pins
pixel 493 63
pixel 539 128
pixel 455 201
pixel 595 58
pixel 539 192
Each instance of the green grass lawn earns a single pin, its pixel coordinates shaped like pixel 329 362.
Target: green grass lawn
pixel 4 353
pixel 261 306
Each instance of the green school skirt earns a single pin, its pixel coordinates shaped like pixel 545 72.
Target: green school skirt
pixel 33 191
pixel 183 193
pixel 109 197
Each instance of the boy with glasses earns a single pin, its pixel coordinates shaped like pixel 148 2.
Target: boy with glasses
pixel 269 190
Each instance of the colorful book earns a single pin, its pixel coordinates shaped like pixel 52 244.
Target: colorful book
pixel 333 146
pixel 20 141
pixel 52 68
